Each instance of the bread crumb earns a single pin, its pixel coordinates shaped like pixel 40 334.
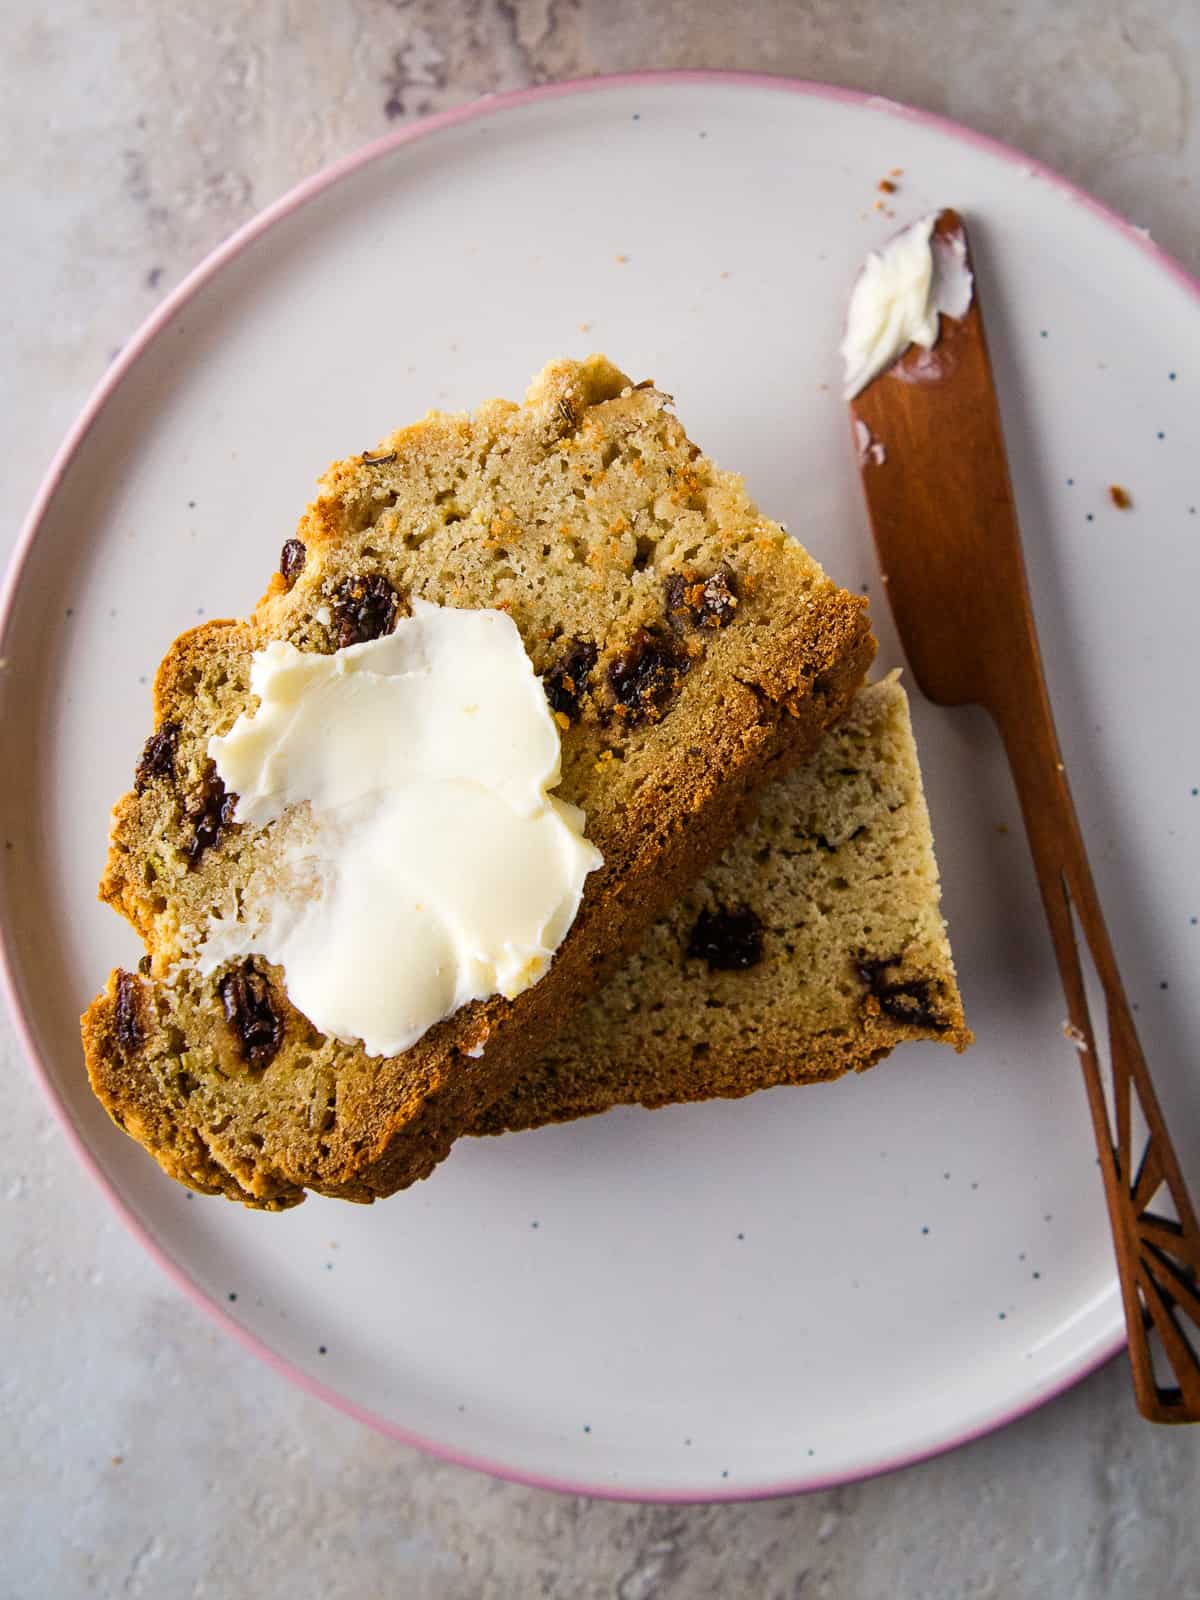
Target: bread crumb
pixel 585 327
pixel 1076 1035
pixel 620 260
pixel 1120 497
pixel 886 186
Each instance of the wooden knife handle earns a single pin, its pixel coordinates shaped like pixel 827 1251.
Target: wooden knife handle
pixel 1158 1256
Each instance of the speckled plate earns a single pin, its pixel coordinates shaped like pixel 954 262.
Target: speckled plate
pixel 717 1300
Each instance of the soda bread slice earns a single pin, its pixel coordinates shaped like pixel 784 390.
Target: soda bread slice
pixel 811 948
pixel 689 649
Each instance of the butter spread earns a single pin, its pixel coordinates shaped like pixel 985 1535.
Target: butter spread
pixel 418 860
pixel 900 294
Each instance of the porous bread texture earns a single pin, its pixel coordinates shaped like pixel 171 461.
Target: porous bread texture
pixel 838 867
pixel 721 653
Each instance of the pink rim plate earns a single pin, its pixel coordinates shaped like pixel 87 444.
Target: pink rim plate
pixel 115 375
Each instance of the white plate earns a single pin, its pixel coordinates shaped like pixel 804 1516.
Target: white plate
pixel 720 1299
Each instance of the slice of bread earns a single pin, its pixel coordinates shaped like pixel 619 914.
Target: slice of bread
pixel 689 648
pixel 811 948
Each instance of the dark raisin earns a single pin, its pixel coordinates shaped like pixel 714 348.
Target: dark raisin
pixel 730 938
pixel 903 999
pixel 675 589
pixel 718 599
pixel 291 560
pixel 365 607
pixel 567 679
pixel 250 1012
pixel 158 756
pixel 699 601
pixel 127 1023
pixel 210 810
pixel 645 677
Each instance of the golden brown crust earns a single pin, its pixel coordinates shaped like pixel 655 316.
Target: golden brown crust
pixel 571 512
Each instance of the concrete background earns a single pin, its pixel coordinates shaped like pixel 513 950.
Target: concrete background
pixel 143 1455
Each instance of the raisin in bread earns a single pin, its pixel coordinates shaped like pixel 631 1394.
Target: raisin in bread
pixel 810 949
pixel 689 648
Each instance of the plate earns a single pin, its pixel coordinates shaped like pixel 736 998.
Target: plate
pixel 714 1300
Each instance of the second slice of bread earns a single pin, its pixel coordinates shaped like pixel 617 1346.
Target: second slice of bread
pixel 690 649
pixel 812 948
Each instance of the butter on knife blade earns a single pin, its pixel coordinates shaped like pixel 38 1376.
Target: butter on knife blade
pixel 901 294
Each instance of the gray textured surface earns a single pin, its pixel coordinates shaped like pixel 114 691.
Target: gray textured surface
pixel 146 1456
